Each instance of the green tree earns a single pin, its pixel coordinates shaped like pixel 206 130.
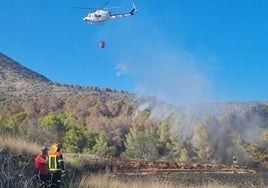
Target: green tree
pixel 102 149
pixel 13 124
pixel 22 120
pixel 201 140
pixel 141 145
pixel 52 127
pixel 164 144
pixel 258 152
pixel 12 127
pixel 142 121
pixel 184 155
pixel 79 139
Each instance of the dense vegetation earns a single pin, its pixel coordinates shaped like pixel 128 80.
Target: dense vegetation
pixel 115 128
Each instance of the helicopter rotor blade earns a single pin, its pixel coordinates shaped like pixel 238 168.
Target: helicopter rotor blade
pixel 91 8
pixel 101 7
pixel 84 8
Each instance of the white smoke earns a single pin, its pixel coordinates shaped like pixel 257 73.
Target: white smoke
pixel 175 78
pixel 122 69
pixel 182 78
pixel 225 122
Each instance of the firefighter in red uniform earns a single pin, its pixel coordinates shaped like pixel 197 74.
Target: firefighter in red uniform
pixel 41 165
pixel 56 164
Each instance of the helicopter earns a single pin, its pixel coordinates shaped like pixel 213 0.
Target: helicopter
pixel 100 15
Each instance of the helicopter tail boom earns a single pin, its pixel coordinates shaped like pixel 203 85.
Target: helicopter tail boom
pixel 131 13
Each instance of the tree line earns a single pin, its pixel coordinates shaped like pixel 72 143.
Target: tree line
pixel 112 128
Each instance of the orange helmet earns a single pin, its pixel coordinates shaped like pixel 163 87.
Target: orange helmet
pixel 56 146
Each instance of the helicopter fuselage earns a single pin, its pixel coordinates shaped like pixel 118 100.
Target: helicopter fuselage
pixel 98 16
pixel 103 15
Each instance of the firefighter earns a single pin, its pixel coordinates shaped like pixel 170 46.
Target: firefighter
pixel 56 164
pixel 41 165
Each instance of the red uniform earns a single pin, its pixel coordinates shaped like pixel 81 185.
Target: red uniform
pixel 41 164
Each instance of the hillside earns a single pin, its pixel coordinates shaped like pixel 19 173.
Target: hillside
pixel 19 82
pixel 114 123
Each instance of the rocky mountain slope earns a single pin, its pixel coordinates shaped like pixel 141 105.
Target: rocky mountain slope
pixel 20 82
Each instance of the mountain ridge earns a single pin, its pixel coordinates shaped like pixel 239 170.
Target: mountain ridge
pixel 9 65
pixel 21 83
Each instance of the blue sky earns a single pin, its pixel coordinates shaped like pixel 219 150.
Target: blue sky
pixel 180 51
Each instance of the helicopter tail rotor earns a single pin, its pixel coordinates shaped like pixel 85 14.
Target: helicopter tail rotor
pixel 134 10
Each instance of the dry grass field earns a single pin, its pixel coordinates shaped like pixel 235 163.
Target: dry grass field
pixel 173 181
pixel 19 146
pixel 18 171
